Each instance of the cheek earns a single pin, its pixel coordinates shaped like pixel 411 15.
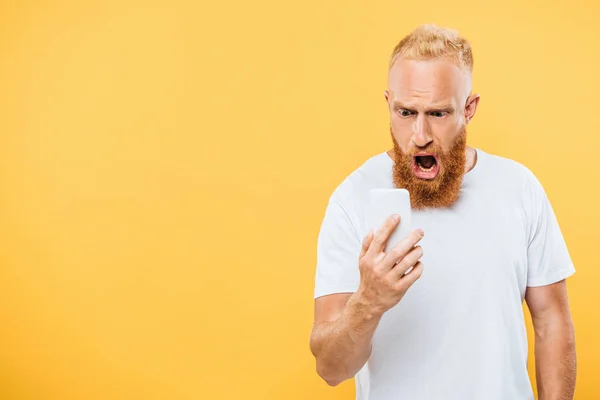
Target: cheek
pixel 402 130
pixel 402 140
pixel 445 133
pixel 445 125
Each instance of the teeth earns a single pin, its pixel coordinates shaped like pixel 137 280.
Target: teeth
pixel 425 169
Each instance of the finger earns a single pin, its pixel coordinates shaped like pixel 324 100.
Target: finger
pixel 407 262
pixel 382 234
pixel 366 243
pixel 401 248
pixel 411 276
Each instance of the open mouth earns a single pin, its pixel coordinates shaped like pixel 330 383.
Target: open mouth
pixel 426 166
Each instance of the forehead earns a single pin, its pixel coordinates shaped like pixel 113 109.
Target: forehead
pixel 435 81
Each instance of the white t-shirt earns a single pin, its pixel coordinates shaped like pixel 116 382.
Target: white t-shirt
pixel 459 331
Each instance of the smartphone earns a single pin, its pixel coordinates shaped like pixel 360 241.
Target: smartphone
pixel 384 202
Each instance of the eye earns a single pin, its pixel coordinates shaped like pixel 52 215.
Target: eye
pixel 404 113
pixel 439 114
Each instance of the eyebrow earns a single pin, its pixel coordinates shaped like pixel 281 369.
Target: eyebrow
pixel 440 107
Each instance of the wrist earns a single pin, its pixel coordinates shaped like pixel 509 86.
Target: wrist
pixel 367 309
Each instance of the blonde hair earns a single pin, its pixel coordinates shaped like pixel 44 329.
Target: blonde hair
pixel 430 42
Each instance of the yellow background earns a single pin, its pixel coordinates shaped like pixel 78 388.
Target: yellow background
pixel 165 167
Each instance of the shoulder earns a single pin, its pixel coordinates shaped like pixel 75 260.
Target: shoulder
pixel 508 172
pixel 516 184
pixel 374 172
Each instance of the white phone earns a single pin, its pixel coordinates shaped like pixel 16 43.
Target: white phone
pixel 384 202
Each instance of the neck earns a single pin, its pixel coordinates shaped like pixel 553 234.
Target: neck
pixel 471 159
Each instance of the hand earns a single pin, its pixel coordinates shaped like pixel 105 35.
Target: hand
pixel 383 281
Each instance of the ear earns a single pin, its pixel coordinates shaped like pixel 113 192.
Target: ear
pixel 386 93
pixel 471 107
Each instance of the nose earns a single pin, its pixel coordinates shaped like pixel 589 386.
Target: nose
pixel 421 134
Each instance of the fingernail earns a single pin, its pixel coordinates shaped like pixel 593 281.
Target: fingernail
pixel 396 218
pixel 421 233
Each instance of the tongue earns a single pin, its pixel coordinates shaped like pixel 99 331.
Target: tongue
pixel 427 161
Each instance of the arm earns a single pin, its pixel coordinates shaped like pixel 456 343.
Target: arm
pixel 345 323
pixel 555 357
pixel 341 337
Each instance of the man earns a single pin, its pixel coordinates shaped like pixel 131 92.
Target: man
pixel 486 239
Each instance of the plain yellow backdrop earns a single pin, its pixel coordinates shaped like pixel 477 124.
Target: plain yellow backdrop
pixel 165 166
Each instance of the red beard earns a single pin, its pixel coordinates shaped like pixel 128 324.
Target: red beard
pixel 444 189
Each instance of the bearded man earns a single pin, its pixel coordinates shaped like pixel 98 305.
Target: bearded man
pixel 440 315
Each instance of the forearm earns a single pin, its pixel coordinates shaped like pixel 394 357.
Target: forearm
pixel 556 360
pixel 343 346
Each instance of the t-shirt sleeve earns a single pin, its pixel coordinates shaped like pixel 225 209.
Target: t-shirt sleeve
pixel 548 259
pixel 338 249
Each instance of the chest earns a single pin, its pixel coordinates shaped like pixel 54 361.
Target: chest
pixel 486 246
pixel 473 267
